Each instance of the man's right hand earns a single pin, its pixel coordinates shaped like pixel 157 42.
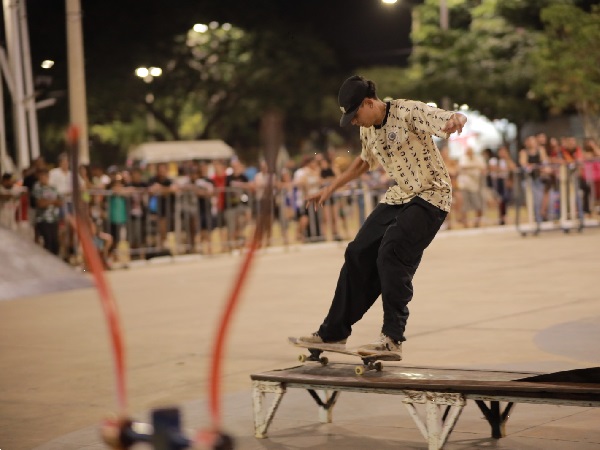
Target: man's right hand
pixel 319 198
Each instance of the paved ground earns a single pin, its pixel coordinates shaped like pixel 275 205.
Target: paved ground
pixel 492 300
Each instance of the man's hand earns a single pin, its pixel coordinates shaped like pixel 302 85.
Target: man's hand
pixel 455 123
pixel 319 198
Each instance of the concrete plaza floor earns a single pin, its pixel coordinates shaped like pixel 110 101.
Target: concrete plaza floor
pixel 488 300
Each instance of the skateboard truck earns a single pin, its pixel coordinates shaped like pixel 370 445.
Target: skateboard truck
pixel 369 362
pixel 315 355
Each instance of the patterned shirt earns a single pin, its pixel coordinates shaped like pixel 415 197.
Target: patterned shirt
pixel 51 212
pixel 404 146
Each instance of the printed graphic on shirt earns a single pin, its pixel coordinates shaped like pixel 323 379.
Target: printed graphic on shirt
pixel 405 149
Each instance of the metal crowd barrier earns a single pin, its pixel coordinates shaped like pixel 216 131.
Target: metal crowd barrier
pixel 144 223
pixel 556 197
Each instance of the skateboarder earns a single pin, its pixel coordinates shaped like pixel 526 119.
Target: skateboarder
pixel 384 255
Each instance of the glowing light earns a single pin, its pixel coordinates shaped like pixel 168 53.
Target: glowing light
pixel 464 107
pixel 200 28
pixel 155 71
pixel 226 26
pixel 432 104
pixel 142 72
pixel 389 2
pixel 47 64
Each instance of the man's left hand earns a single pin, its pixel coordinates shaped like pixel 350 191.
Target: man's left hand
pixel 455 123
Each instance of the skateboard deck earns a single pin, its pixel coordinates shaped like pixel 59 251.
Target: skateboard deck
pixel 370 361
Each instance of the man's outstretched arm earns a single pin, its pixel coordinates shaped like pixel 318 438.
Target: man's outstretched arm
pixel 355 170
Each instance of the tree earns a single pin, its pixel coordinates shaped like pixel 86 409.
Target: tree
pixel 568 63
pixel 219 80
pixel 482 60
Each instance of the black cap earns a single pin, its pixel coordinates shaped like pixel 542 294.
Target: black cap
pixel 352 92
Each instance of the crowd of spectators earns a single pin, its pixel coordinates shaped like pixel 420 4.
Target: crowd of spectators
pixel 210 206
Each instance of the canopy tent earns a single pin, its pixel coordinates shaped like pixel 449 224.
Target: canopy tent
pixel 174 151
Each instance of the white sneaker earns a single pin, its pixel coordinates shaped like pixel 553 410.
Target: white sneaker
pixel 383 344
pixel 316 339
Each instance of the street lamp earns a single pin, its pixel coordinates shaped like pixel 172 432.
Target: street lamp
pixel 200 28
pixel 148 73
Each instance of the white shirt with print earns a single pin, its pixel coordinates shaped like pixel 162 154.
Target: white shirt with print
pixel 404 147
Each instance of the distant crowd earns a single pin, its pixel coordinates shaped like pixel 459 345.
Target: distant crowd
pixel 210 206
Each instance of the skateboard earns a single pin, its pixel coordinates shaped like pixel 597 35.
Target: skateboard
pixel 371 361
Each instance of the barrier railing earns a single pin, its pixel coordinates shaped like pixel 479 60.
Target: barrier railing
pixel 143 223
pixel 556 196
pixel 146 222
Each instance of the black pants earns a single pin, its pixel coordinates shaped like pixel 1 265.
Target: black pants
pixel 382 260
pixel 49 233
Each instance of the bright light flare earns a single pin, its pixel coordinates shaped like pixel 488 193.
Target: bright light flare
pixel 389 2
pixel 200 28
pixel 142 72
pixel 47 64
pixel 155 71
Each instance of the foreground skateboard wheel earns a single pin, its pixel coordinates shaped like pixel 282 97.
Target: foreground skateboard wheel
pixel 359 370
pixel 302 358
pixel 324 360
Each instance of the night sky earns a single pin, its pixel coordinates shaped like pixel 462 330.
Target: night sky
pixel 120 33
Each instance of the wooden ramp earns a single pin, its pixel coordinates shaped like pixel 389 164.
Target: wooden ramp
pixel 28 269
pixel 442 392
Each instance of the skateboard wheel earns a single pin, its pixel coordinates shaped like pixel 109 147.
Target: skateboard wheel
pixel 359 370
pixel 324 360
pixel 302 358
pixel 378 366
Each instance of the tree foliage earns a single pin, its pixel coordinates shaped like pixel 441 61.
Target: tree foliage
pixel 482 59
pixel 568 62
pixel 218 81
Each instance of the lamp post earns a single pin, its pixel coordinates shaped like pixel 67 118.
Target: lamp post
pixel 77 91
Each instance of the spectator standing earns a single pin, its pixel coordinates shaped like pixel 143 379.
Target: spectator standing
pixel 331 206
pixel 117 211
pixel 219 180
pixel 572 155
pixel 534 161
pixel 308 181
pixel 204 193
pixel 60 178
pixel 502 168
pixel 47 211
pixel 161 201
pixel 237 212
pixel 138 210
pixel 592 170
pixel 8 201
pixel 470 181
pixel 261 182
pixel 457 200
